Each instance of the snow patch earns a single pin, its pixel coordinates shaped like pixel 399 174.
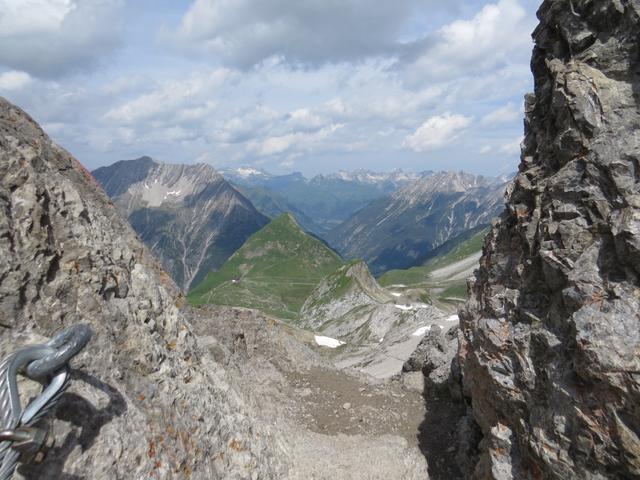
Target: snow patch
pixel 247 172
pixel 453 318
pixel 421 331
pixel 404 308
pixel 396 294
pixel 328 341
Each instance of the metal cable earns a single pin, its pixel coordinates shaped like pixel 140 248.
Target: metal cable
pixel 38 362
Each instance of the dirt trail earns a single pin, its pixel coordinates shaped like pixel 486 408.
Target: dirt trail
pixel 459 270
pixel 340 424
pixel 331 402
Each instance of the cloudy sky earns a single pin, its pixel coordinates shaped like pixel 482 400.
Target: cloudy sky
pixel 284 85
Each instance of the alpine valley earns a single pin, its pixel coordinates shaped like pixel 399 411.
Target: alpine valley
pixel 356 325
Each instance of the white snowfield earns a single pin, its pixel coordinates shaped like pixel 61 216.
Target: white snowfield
pixel 421 331
pixel 396 294
pixel 328 341
pixel 404 307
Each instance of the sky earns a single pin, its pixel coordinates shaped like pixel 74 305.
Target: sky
pixel 313 86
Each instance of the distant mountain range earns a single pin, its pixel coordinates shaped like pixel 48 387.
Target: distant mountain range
pixel 188 215
pixel 398 231
pixel 320 203
pixel 194 218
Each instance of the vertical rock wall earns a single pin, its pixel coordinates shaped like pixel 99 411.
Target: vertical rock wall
pixel 550 341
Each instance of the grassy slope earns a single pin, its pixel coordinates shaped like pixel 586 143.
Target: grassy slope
pixel 441 290
pixel 274 271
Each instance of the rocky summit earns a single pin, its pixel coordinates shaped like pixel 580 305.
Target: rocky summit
pixel 549 344
pixel 190 217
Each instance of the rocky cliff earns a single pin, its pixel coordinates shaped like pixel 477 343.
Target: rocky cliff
pixel 550 343
pixel 188 215
pixel 146 402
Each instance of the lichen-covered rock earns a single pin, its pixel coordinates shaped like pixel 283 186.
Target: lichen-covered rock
pixel 146 402
pixel 550 344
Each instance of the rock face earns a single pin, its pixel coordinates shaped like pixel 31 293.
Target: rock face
pixel 350 288
pixel 189 215
pixel 146 401
pixel 550 344
pixel 434 357
pixel 379 329
pixel 399 231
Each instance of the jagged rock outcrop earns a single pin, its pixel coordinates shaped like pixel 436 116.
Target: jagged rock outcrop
pixel 190 217
pixel 350 289
pixel 146 401
pixel 550 344
pixel 436 357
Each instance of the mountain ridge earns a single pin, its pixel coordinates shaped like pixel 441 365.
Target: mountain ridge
pixel 321 202
pixel 189 215
pixel 274 271
pixel 399 231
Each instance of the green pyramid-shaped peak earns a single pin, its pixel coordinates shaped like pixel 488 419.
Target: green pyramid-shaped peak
pixel 274 271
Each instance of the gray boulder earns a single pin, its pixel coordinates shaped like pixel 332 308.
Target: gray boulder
pixel 435 357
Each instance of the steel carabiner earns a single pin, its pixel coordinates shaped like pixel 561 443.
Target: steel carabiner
pixel 18 438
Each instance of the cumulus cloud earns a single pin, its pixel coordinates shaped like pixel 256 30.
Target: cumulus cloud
pixel 246 32
pixel 485 149
pixel 14 80
pixel 331 82
pixel 174 100
pixel 246 125
pixel 437 132
pixel 512 148
pixel 496 35
pixel 285 143
pixel 48 38
pixel 508 113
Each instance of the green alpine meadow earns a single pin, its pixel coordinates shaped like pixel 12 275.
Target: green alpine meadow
pixel 274 271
